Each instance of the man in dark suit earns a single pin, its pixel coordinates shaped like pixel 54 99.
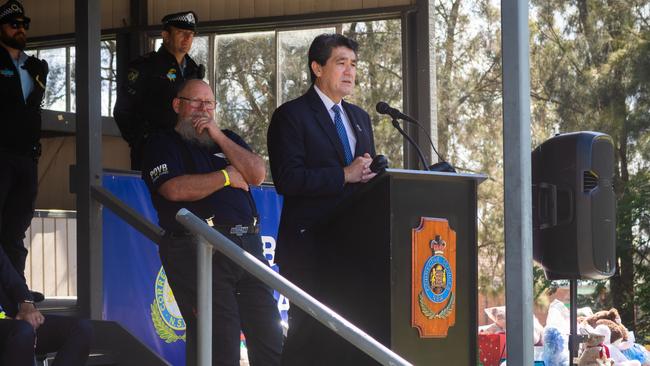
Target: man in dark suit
pixel 320 149
pixel 25 331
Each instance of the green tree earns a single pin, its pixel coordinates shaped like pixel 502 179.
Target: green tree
pixel 588 57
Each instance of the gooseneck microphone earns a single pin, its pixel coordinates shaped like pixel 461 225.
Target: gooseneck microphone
pixel 382 109
pixel 395 114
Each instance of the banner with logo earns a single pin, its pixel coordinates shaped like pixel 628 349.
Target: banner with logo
pixel 136 292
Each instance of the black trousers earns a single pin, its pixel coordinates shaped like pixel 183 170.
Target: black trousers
pixel 308 341
pixel 18 188
pixel 240 302
pixel 69 337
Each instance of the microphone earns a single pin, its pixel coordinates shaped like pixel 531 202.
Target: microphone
pixel 442 165
pixel 384 108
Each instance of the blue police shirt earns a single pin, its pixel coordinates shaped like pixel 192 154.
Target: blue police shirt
pixel 25 79
pixel 167 156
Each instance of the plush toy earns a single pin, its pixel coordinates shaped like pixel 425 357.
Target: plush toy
pixel 618 331
pixel 595 352
pixel 633 350
pixel 611 314
pixel 556 351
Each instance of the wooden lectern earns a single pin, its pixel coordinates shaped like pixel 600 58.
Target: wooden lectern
pixel 365 256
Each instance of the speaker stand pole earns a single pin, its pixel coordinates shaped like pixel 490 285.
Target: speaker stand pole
pixel 573 318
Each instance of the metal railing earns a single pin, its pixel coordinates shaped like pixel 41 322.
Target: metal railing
pixel 210 239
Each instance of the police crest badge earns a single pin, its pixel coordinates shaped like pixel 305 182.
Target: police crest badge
pixel 171 74
pixel 165 314
pixel 433 286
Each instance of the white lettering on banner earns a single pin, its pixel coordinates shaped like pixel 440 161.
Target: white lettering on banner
pixel 158 171
pixel 283 303
pixel 268 249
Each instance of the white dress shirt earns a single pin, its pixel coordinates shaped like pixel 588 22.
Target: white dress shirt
pixel 352 138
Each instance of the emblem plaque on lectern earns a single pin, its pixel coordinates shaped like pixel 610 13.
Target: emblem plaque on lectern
pixel 433 287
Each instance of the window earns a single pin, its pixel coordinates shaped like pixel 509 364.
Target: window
pixel 255 72
pixel 60 91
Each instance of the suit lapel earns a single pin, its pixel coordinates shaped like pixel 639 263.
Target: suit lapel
pixel 325 121
pixel 361 147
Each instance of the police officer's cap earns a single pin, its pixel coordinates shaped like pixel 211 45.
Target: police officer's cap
pixel 11 10
pixel 183 20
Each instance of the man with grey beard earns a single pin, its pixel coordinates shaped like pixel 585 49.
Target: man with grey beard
pixel 207 170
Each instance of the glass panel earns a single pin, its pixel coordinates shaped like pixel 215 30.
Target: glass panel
pixel 200 52
pixel 245 87
pixel 109 83
pixel 73 81
pixel 294 71
pixel 55 91
pixel 379 78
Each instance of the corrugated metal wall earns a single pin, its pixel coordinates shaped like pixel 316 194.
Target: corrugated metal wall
pixel 54 168
pixel 52 17
pixel 242 9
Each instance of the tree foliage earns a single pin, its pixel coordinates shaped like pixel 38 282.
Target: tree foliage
pixel 590 70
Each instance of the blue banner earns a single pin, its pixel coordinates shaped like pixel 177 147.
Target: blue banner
pixel 136 292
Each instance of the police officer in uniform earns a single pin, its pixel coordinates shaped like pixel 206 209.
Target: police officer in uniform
pixel 208 171
pixel 145 96
pixel 22 85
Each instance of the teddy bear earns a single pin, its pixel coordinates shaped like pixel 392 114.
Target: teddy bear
pixel 611 319
pixel 595 352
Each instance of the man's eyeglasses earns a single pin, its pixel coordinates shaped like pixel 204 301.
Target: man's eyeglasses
pixel 198 103
pixel 15 24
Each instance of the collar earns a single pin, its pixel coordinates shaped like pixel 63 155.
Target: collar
pixel 327 101
pixel 163 51
pixel 22 57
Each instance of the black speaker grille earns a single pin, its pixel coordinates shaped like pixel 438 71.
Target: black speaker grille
pixel 589 181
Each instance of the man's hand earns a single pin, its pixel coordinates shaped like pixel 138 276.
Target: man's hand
pixel 207 124
pixel 236 179
pixel 30 314
pixel 359 170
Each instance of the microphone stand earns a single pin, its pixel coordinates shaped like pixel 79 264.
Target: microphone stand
pixel 410 140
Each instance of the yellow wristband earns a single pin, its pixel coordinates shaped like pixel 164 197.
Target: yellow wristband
pixel 225 175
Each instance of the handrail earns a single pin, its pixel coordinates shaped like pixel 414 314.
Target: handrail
pixel 297 296
pixel 126 213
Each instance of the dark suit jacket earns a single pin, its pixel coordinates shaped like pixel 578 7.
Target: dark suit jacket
pixel 13 288
pixel 307 166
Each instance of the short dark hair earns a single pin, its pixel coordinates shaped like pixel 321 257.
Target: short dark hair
pixel 322 46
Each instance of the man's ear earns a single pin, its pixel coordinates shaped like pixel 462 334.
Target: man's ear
pixel 176 105
pixel 165 36
pixel 316 68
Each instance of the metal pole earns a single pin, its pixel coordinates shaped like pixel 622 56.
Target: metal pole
pixel 297 296
pixel 573 318
pixel 517 187
pixel 89 162
pixel 204 251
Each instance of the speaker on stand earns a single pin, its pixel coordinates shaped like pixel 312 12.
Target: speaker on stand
pixel 574 211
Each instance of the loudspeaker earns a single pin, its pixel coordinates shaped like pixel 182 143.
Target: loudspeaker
pixel 574 206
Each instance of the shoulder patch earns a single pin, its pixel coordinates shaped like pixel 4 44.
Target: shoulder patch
pixel 133 75
pixel 7 72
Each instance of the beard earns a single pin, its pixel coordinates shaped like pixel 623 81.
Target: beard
pixel 18 41
pixel 188 133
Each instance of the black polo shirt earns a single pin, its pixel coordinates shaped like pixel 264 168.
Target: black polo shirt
pixel 167 156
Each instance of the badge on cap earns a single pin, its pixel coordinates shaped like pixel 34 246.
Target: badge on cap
pixel 183 20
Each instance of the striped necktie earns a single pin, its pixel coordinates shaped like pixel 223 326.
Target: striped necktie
pixel 340 129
